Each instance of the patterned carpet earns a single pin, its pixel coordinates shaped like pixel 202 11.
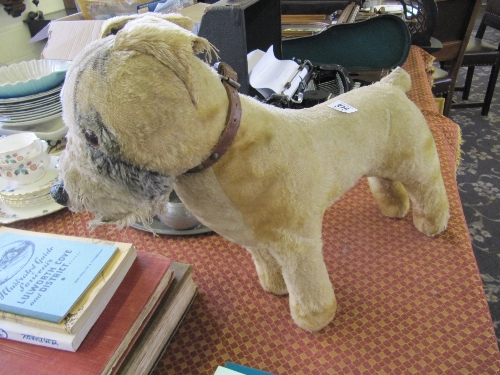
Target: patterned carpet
pixel 478 179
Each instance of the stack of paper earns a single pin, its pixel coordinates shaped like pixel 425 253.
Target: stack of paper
pixel 269 76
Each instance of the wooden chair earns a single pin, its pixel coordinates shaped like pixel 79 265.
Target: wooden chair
pixel 481 53
pixel 454 26
pixel 421 18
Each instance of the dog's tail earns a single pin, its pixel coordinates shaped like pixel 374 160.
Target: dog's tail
pixel 398 78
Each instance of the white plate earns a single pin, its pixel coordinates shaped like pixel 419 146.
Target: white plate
pixel 40 107
pixel 22 119
pixel 31 122
pixel 29 116
pixel 160 228
pixel 51 130
pixel 29 202
pixel 31 97
pixel 10 214
pixel 55 97
pixel 33 106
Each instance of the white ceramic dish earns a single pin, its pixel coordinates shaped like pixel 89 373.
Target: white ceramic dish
pixel 28 173
pixel 24 145
pixel 29 202
pixel 10 214
pixel 17 119
pixel 32 121
pixel 38 113
pixel 31 77
pixel 30 98
pixel 42 186
pixel 34 109
pixel 159 228
pixel 50 130
pixel 32 103
pixel 24 118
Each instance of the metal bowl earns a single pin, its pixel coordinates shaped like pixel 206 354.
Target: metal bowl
pixel 177 215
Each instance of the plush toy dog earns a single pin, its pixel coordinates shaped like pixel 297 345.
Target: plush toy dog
pixel 146 115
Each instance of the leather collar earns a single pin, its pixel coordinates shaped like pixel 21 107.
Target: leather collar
pixel 229 80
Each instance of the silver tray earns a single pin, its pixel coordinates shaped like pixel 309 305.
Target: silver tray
pixel 159 228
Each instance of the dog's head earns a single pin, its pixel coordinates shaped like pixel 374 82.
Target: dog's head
pixel 141 108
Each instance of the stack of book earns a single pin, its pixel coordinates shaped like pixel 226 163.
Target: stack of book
pixel 89 306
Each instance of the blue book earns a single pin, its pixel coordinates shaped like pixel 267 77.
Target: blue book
pixel 245 370
pixel 43 277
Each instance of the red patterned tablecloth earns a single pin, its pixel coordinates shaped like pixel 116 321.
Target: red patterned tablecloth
pixel 408 304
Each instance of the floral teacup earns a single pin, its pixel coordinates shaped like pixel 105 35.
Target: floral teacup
pixel 18 148
pixel 29 170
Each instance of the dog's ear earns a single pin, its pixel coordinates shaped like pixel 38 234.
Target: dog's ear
pixel 115 24
pixel 170 44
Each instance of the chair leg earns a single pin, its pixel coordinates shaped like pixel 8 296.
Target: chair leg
pixel 491 89
pixel 468 82
pixel 453 73
pixel 448 99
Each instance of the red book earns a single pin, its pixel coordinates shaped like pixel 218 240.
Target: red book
pixel 111 336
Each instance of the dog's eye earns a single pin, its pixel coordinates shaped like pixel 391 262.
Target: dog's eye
pixel 91 138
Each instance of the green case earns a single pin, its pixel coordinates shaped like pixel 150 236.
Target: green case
pixel 382 42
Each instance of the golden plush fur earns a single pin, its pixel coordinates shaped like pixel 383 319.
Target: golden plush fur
pixel 142 109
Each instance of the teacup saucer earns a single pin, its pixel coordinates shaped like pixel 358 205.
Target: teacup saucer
pixel 10 214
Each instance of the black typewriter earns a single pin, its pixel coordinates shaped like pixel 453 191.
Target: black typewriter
pixel 321 83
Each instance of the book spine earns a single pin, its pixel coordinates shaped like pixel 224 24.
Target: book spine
pixel 29 313
pixel 36 336
pixel 32 322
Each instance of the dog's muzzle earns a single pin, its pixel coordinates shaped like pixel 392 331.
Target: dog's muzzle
pixel 59 194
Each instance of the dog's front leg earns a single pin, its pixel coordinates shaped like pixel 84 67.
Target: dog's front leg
pixel 312 300
pixel 269 271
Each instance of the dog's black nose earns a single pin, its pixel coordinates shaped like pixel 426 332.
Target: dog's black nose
pixel 59 194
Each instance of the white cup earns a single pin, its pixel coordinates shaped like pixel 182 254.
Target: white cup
pixel 20 147
pixel 29 169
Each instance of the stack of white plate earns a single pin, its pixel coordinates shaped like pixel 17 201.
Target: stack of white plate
pixel 38 113
pixel 31 109
pixel 30 98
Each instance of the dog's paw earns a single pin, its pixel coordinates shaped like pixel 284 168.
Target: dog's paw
pixel 395 210
pixel 312 320
pixel 431 226
pixel 432 219
pixel 391 197
pixel 273 283
pixel 269 272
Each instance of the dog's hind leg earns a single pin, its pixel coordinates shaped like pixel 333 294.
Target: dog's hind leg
pixel 391 196
pixel 269 271
pixel 430 204
pixel 420 174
